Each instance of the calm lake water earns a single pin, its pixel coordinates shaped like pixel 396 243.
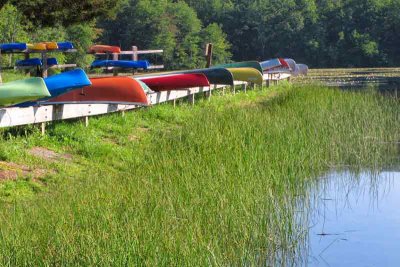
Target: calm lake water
pixel 352 219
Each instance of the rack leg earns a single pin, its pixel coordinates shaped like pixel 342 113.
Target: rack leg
pixel 43 128
pixel 86 121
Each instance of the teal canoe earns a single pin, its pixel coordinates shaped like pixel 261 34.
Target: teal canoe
pixel 245 64
pixel 20 91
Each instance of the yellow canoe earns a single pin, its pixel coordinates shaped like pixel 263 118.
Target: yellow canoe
pixel 249 75
pixel 38 46
pixel 51 45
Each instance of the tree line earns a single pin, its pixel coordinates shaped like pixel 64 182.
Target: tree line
pixel 320 33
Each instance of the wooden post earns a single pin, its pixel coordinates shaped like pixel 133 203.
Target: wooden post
pixel 43 128
pixel 244 87
pixel 174 102
pixel 115 70
pixel 44 68
pixel 223 90
pixel 233 89
pixel 134 57
pixel 86 121
pixel 208 54
pixel 191 98
pixel 123 113
pixel 26 56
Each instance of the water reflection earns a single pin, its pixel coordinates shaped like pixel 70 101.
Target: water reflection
pixel 354 220
pixel 384 80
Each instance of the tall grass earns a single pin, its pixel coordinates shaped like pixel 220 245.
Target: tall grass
pixel 212 184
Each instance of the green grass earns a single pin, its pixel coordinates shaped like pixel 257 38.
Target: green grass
pixel 210 184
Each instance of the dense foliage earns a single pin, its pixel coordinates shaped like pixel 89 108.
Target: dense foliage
pixel 323 33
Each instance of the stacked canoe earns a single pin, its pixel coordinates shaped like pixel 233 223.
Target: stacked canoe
pixel 77 88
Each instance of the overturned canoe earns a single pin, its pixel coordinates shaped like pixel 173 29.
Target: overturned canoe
pixel 37 47
pixel 246 64
pixel 249 75
pixel 51 45
pixel 104 49
pixel 105 90
pixel 214 75
pixel 31 62
pixel 16 92
pixel 176 81
pixel 127 64
pixel 271 63
pixel 66 81
pixel 65 45
pixel 13 47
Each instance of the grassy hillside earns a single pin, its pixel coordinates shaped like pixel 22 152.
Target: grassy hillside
pixel 210 184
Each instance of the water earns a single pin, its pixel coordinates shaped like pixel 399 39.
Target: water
pixel 354 220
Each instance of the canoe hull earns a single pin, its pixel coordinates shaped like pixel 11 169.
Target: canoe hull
pixel 104 49
pixel 246 64
pixel 107 90
pixel 13 47
pixel 249 75
pixel 176 82
pixel 128 64
pixel 16 92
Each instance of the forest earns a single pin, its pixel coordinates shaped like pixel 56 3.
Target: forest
pixel 320 33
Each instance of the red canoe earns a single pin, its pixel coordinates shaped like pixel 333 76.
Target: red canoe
pixel 104 49
pixel 175 82
pixel 106 90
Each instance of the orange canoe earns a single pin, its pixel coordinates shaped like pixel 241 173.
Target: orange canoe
pixel 51 45
pixel 105 90
pixel 104 49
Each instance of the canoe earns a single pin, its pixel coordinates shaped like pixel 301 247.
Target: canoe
pixel 13 47
pixel 249 75
pixel 127 64
pixel 271 63
pixel 37 47
pixel 176 82
pixel 105 90
pixel 51 61
pixel 29 62
pixel 292 64
pixel 61 84
pixel 302 70
pixel 214 75
pixel 65 45
pixel 104 49
pixel 284 63
pixel 66 81
pixel 23 90
pixel 51 45
pixel 246 64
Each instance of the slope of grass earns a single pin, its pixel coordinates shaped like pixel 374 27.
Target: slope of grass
pixel 211 184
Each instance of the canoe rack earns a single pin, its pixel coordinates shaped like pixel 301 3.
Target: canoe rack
pixel 44 55
pixel 135 52
pixel 16 116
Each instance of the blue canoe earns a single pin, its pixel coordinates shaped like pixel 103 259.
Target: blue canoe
pixel 52 61
pixel 29 62
pixel 66 81
pixel 33 62
pixel 65 46
pixel 127 64
pixel 62 83
pixel 13 47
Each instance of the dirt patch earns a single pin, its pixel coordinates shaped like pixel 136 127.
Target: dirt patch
pixel 11 171
pixel 48 154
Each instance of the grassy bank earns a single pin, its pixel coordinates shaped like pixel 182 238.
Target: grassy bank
pixel 210 184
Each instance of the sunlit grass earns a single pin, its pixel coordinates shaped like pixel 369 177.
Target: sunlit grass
pixel 210 184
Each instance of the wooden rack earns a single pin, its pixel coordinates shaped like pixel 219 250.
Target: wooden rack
pixel 44 56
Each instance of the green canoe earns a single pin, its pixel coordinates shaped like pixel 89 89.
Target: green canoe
pixel 20 91
pixel 249 75
pixel 245 64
